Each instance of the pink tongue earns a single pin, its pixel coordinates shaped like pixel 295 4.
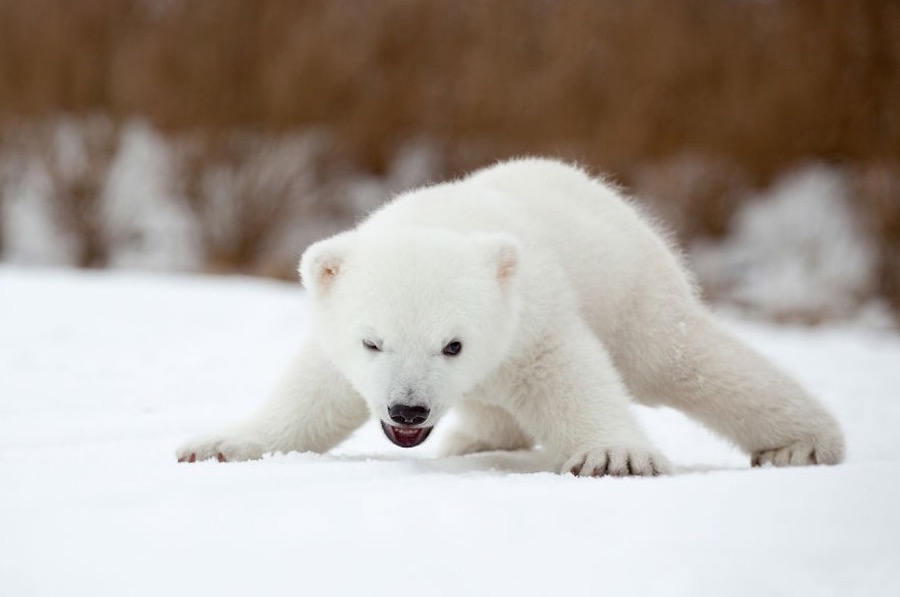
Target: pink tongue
pixel 406 437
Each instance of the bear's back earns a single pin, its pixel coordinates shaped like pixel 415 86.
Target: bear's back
pixel 568 223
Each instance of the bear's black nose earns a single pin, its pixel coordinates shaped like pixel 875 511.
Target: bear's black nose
pixel 404 414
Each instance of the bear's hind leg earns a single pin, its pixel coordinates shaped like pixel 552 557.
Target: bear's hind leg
pixel 484 428
pixel 737 392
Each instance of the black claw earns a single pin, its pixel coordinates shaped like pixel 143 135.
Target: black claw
pixel 576 470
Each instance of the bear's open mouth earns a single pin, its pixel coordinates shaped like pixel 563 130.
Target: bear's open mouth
pixel 406 437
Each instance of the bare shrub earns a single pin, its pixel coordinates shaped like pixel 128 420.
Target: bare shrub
pixel 796 251
pixel 248 191
pixel 876 194
pixel 73 156
pixel 696 195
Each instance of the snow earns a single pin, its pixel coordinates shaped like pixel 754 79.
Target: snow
pixel 102 375
pixel 27 219
pixel 147 225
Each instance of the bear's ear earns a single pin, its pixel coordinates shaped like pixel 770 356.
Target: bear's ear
pixel 322 261
pixel 503 252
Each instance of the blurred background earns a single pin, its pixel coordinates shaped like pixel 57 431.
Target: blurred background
pixel 225 136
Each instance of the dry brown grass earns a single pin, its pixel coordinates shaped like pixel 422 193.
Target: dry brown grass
pixel 613 83
pixel 620 86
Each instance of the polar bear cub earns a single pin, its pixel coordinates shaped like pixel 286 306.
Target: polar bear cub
pixel 537 303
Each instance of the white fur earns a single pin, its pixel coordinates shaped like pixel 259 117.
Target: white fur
pixel 568 305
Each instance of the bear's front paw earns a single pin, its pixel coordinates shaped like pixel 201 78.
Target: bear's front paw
pixel 800 453
pixel 223 449
pixel 618 462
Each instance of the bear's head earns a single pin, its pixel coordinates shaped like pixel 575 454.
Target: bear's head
pixel 414 319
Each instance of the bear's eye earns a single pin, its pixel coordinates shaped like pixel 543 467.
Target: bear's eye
pixel 371 345
pixel 452 349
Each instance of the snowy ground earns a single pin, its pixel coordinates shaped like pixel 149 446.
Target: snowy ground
pixel 102 375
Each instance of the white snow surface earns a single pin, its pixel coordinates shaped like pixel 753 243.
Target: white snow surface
pixel 102 375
